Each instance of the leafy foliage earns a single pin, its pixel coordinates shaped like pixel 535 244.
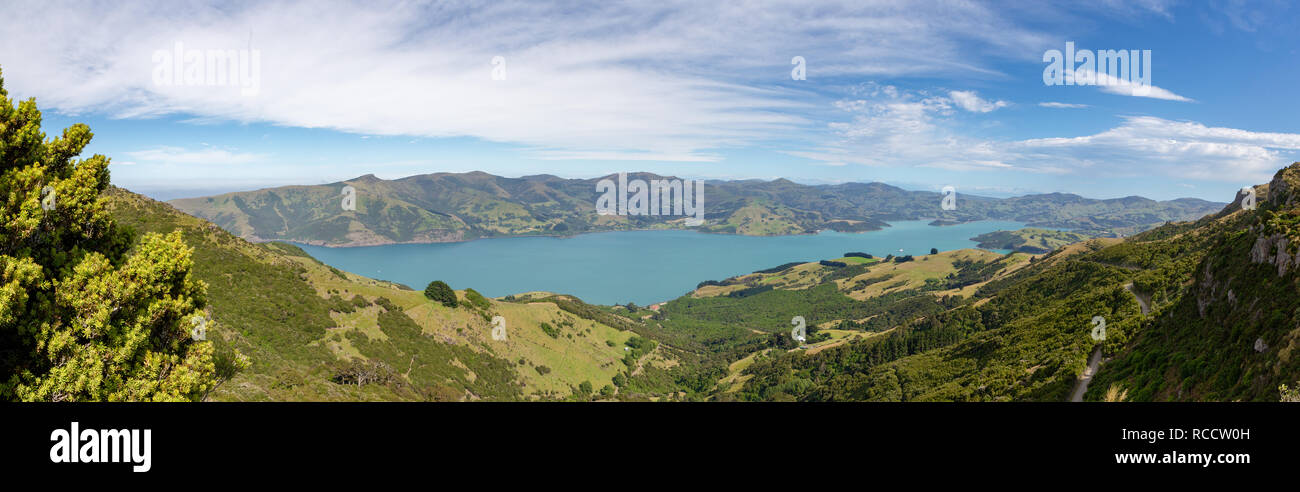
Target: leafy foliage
pixel 81 319
pixel 439 291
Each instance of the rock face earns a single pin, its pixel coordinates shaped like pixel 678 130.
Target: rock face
pixel 1272 249
pixel 1282 190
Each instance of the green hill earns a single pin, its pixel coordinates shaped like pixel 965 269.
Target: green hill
pixel 313 332
pixel 1028 240
pixel 1222 324
pixel 457 207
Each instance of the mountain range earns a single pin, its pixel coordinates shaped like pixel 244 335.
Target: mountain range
pixel 446 207
pixel 1190 310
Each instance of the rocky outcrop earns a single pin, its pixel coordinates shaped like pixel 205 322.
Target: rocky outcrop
pixel 1274 246
pixel 1273 249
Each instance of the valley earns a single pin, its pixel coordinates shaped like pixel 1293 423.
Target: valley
pixel 962 324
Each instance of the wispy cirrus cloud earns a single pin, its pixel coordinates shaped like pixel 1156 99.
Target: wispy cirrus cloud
pixel 604 81
pixel 1147 145
pixel 1113 85
pixel 915 128
pixel 170 155
pixel 1061 105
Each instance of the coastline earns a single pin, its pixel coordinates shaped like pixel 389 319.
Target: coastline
pixel 363 244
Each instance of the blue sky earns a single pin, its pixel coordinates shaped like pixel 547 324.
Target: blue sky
pixel 915 94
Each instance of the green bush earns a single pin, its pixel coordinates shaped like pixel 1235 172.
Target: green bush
pixel 439 291
pixel 473 298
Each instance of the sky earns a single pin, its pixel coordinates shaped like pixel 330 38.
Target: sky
pixel 917 94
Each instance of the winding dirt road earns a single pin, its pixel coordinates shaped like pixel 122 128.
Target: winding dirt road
pixel 1094 362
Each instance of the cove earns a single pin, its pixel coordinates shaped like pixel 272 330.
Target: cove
pixel 644 267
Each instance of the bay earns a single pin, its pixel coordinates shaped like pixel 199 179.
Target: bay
pixel 643 267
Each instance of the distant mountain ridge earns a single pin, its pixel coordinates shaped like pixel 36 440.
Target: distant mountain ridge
pixel 447 207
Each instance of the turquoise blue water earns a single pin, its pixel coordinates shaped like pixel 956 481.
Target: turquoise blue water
pixel 630 266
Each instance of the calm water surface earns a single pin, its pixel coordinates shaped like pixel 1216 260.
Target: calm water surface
pixel 630 266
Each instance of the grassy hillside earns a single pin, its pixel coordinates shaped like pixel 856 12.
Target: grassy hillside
pixel 721 326
pixel 1031 240
pixel 457 207
pixel 312 332
pixel 1221 293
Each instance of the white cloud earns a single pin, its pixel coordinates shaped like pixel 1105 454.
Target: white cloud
pixel 912 128
pixel 178 155
pixel 1061 105
pixel 970 101
pixel 1113 85
pixel 599 81
pixel 1146 145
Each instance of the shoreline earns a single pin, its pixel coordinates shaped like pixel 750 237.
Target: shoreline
pixel 566 236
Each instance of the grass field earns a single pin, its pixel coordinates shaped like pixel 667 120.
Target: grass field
pixel 892 277
pixel 580 353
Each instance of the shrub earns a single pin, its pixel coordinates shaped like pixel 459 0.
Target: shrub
pixel 550 330
pixel 476 300
pixel 439 291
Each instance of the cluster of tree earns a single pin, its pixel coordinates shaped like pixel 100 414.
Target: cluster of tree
pixel 780 268
pixel 749 291
pixel 639 347
pixel 969 272
pixel 583 310
pixel 341 305
pixel 362 372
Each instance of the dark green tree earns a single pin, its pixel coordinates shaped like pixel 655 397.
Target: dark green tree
pixel 439 291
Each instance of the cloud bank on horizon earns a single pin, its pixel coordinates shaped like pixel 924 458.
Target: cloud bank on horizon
pixel 903 90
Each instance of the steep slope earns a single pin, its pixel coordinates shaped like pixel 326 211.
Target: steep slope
pixel 457 207
pixel 1230 333
pixel 727 330
pixel 313 332
pixel 1223 300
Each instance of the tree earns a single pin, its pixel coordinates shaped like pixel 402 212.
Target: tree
pixel 438 290
pixel 584 388
pixel 934 251
pixel 80 319
pixel 1289 394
